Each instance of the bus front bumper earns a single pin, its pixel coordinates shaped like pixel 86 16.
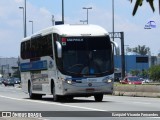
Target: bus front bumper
pixel 88 90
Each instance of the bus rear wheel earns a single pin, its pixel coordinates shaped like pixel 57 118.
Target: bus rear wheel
pixel 98 98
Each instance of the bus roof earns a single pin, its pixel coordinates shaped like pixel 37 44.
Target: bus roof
pixel 72 30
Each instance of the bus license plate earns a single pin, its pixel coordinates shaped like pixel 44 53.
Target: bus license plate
pixel 91 80
pixel 90 89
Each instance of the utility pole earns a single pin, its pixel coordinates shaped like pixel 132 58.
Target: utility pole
pixel 121 36
pixel 113 17
pixel 63 11
pixel 25 26
pixel 32 25
pixel 23 20
pixel 53 20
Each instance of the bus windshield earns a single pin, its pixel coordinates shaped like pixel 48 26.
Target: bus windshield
pixel 86 55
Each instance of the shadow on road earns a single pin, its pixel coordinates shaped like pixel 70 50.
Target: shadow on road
pixel 76 100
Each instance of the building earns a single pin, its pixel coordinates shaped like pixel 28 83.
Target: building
pixel 7 65
pixel 158 60
pixel 133 62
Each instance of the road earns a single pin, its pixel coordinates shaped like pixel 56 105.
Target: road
pixel 13 99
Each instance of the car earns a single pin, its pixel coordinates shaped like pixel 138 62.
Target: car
pixel 145 80
pixel 8 82
pixel 17 80
pixel 131 80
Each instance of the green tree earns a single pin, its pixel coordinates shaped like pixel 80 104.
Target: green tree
pixel 135 72
pixel 142 50
pixel 154 73
pixel 140 3
pixel 144 73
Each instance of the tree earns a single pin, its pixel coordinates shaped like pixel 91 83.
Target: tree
pixel 142 50
pixel 140 2
pixel 154 73
pixel 135 72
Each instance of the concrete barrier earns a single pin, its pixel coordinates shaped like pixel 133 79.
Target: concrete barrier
pixel 137 90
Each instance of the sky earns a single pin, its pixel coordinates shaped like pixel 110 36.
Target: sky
pixel 41 11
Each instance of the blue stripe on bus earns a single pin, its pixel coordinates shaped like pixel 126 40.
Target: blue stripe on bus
pixel 35 65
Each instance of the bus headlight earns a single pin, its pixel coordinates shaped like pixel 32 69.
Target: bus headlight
pixel 69 81
pixel 107 80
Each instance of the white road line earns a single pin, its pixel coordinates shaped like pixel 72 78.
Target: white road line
pixel 53 103
pixel 130 101
pixel 140 103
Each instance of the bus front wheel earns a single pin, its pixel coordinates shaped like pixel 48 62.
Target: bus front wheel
pixel 98 98
pixel 55 97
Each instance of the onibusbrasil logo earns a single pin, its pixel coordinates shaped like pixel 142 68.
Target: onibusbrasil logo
pixel 150 25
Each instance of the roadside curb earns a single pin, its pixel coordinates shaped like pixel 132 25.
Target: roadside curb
pixel 137 90
pixel 136 94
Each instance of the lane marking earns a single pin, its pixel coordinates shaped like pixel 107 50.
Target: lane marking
pixel 129 101
pixel 141 103
pixel 53 103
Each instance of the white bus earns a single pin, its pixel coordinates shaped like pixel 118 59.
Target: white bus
pixel 68 61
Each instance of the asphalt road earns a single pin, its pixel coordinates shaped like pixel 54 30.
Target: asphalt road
pixel 14 100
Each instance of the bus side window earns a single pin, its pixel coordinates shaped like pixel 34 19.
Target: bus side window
pixel 49 44
pixel 27 49
pixel 23 50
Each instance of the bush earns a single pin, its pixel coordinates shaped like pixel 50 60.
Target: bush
pixel 154 73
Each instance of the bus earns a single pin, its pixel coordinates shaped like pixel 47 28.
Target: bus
pixel 68 61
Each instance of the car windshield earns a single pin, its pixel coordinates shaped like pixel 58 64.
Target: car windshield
pixel 87 56
pixel 10 80
pixel 133 78
pixel 16 79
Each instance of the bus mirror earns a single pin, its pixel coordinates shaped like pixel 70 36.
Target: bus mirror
pixel 59 49
pixel 116 47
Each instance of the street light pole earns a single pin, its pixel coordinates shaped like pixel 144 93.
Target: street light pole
pixel 32 25
pixel 63 11
pixel 23 20
pixel 53 20
pixel 25 26
pixel 87 11
pixel 126 57
pixel 113 18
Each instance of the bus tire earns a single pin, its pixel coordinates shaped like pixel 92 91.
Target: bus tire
pixel 32 95
pixel 70 98
pixel 55 97
pixel 98 98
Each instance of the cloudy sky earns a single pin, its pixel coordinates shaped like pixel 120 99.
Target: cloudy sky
pixel 40 12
